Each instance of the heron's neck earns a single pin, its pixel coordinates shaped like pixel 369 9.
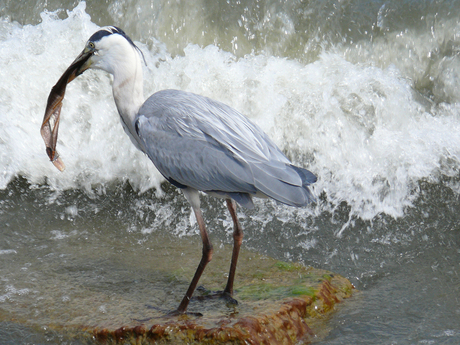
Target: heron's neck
pixel 128 95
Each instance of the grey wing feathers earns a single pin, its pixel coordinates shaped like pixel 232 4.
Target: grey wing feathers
pixel 200 143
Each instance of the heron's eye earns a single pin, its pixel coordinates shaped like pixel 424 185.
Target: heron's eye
pixel 91 45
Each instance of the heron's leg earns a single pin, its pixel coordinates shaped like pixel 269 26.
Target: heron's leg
pixel 237 240
pixel 205 259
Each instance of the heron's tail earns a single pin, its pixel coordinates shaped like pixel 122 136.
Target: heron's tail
pixel 288 184
pixel 308 178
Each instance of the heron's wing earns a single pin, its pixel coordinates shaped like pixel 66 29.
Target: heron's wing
pixel 197 142
pixel 188 159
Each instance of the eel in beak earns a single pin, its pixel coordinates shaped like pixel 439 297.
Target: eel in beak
pixel 50 125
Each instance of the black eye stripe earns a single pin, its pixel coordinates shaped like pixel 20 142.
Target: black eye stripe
pixel 99 34
pixel 110 31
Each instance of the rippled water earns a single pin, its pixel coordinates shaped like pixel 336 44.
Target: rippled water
pixel 363 93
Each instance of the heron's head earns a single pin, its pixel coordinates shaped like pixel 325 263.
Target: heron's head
pixel 109 49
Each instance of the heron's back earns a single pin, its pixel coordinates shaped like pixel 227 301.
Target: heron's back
pixel 197 142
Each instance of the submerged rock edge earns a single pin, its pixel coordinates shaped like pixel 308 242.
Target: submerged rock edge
pixel 295 320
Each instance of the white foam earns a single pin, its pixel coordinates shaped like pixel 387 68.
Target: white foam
pixel 359 127
pixel 8 251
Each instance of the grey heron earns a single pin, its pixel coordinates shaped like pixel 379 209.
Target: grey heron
pixel 197 144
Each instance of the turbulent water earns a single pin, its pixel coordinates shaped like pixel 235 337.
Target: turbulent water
pixel 365 94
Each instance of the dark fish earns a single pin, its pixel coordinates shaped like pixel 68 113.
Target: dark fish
pixel 50 125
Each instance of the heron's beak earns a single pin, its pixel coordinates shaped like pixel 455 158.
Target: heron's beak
pixel 50 125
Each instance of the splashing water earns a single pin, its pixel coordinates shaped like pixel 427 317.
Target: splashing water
pixel 318 113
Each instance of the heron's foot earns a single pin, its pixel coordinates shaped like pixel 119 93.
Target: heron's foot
pixel 228 298
pixel 207 294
